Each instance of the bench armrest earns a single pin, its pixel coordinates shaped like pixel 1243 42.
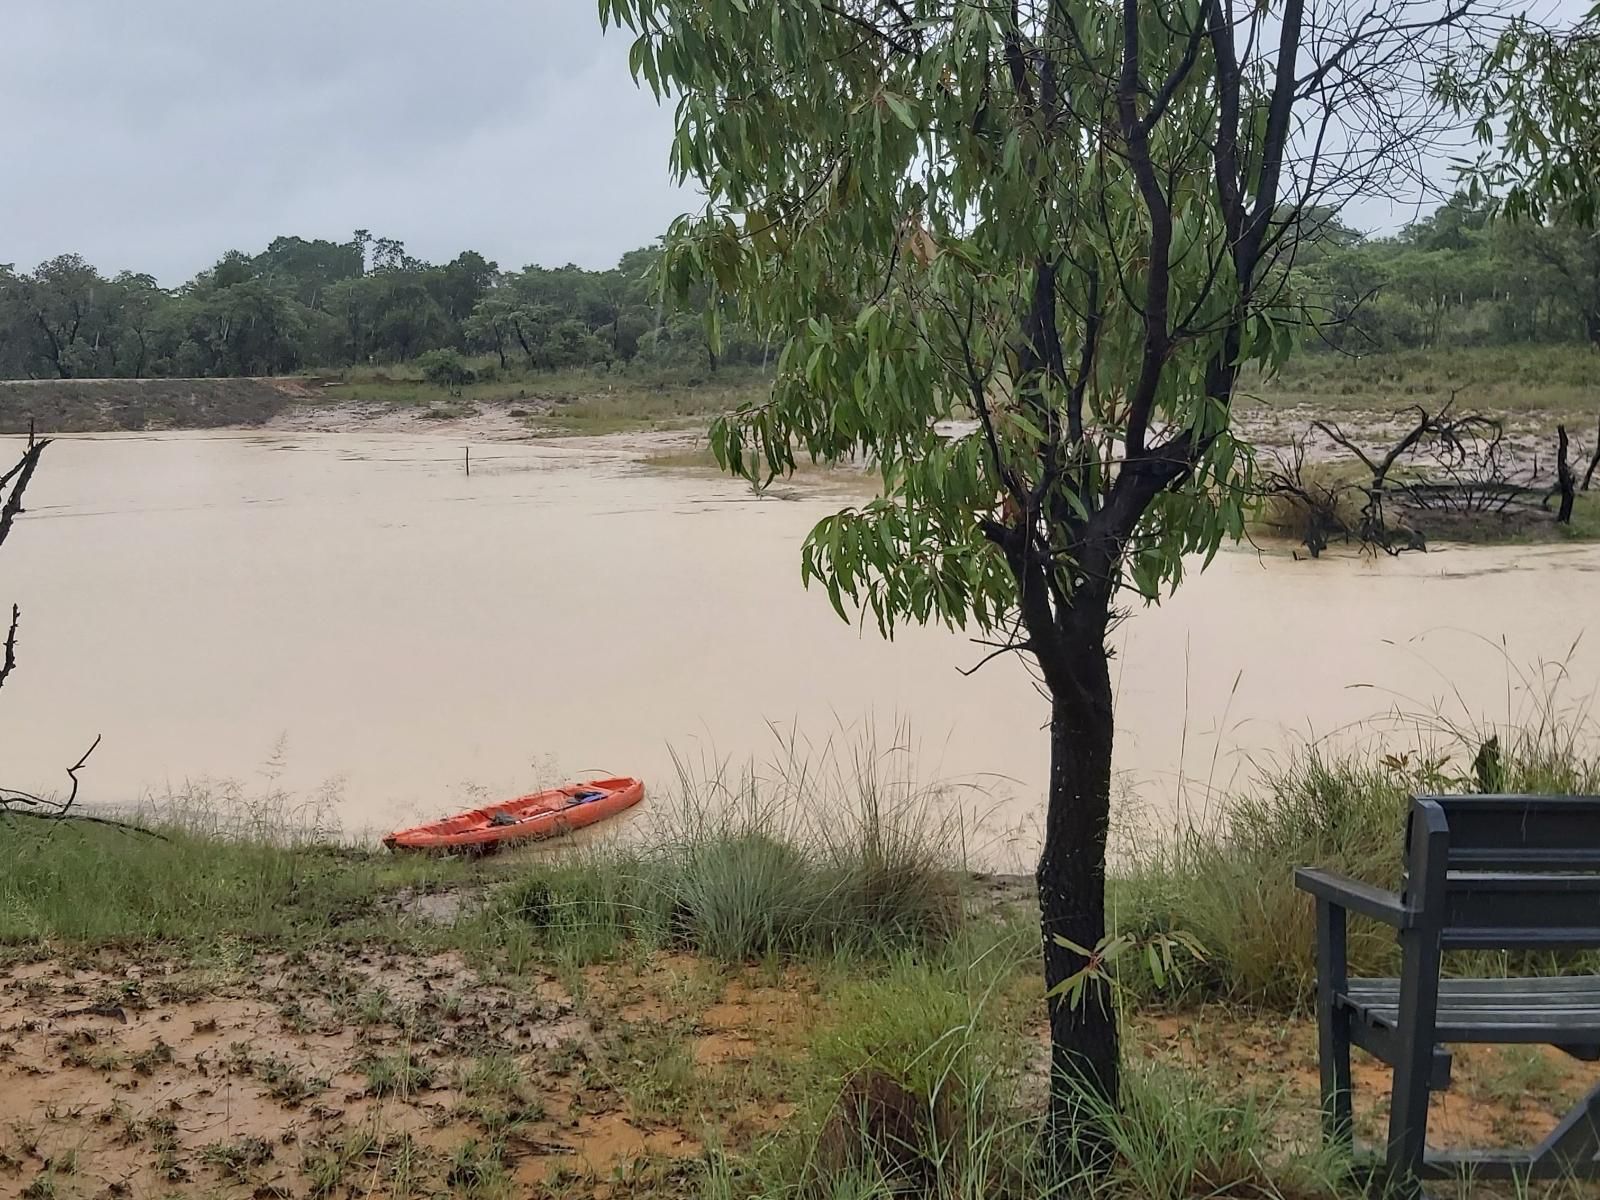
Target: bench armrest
pixel 1351 894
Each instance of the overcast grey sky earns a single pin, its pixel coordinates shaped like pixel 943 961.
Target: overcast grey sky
pixel 156 134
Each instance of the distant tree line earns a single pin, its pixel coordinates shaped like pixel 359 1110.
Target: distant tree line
pixel 1455 278
pixel 321 304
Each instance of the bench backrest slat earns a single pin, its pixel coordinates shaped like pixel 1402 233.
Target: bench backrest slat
pixel 1522 833
pixel 1523 872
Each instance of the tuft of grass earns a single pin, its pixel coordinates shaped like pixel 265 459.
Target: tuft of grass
pixel 477 1171
pixel 285 1082
pixel 496 1095
pixel 921 1079
pixel 823 856
pixel 239 1158
pixel 401 1075
pixel 1179 1135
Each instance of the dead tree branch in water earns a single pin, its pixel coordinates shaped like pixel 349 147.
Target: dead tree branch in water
pixel 9 663
pixel 1455 467
pixel 14 803
pixel 1564 481
pixel 17 480
pixel 1454 445
pixel 1594 463
pixel 1315 512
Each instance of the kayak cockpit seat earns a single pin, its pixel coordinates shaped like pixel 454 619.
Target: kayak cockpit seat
pixel 503 818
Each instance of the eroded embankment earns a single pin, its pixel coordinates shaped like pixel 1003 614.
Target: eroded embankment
pixel 105 405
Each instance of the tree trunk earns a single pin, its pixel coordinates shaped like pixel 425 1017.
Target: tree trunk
pixel 1564 481
pixel 1071 878
pixel 1594 463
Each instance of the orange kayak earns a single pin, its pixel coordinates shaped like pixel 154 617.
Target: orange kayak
pixel 527 818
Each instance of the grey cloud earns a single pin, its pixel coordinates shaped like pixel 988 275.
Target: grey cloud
pixel 155 136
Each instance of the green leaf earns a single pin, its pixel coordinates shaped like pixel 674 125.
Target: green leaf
pixel 901 109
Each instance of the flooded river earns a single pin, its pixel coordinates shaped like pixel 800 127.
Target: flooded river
pixel 354 613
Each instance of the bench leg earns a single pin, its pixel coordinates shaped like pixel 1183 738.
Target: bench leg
pixel 1573 1147
pixel 1333 1025
pixel 1408 1104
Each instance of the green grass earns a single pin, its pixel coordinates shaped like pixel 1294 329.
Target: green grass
pixel 1585 517
pixel 205 878
pixel 830 857
pixel 1187 1134
pixel 924 1079
pixel 914 1081
pixel 400 1074
pixel 1228 882
pixel 1549 382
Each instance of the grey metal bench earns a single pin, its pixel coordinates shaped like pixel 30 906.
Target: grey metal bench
pixel 1482 873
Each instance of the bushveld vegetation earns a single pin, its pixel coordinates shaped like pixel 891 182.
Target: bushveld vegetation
pixel 1454 279
pixel 909 1054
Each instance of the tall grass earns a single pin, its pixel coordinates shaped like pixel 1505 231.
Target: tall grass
pixel 918 1083
pixel 1228 882
pixel 1504 379
pixel 928 1080
pixel 1180 1134
pixel 838 851
pixel 215 862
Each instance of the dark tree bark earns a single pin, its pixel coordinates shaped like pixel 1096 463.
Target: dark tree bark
pixel 1084 1058
pixel 1564 480
pixel 1594 463
pixel 57 354
pixel 17 479
pixel 522 340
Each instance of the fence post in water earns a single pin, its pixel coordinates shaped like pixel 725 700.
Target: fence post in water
pixel 469 460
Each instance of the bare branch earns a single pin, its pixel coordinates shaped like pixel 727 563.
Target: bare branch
pixel 10 662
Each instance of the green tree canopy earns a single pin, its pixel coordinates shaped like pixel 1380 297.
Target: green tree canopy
pixel 1017 256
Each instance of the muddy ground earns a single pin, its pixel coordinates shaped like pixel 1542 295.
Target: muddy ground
pixel 375 1074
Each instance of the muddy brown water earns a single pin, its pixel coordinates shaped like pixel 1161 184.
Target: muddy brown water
pixel 351 616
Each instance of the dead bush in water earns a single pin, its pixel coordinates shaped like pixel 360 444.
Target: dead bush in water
pixel 1446 474
pixel 1309 501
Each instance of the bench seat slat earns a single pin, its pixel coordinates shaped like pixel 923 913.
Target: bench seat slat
pixel 1562 1009
pixel 1532 985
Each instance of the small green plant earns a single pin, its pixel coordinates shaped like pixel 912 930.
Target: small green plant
pixel 374 1007
pixel 146 1061
pixel 286 1082
pixel 496 1096
pixel 238 1158
pixel 1163 954
pixel 477 1171
pixel 399 1075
